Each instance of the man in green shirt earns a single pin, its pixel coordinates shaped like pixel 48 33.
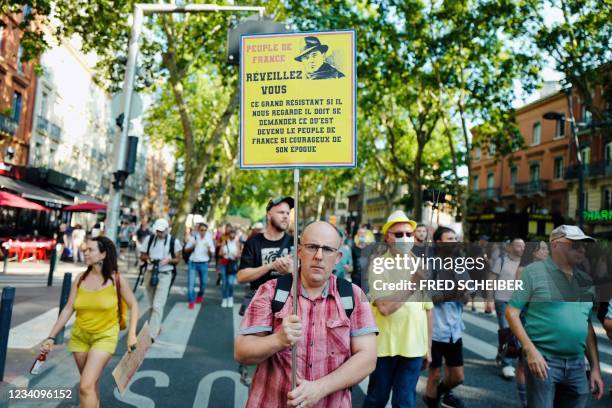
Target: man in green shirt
pixel 557 298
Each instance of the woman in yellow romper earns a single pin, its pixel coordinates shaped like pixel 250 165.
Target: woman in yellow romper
pixel 95 332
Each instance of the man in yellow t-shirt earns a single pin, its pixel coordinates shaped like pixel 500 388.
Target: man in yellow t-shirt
pixel 402 315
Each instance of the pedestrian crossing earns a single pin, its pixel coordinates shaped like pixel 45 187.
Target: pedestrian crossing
pixel 180 324
pixel 28 281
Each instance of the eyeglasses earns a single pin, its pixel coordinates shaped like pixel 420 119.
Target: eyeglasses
pixel 314 248
pixel 402 234
pixel 574 245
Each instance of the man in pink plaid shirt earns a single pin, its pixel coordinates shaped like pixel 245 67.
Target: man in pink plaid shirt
pixel 334 352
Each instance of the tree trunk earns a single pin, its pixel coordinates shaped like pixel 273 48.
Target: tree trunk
pixel 194 175
pixel 468 162
pixel 320 207
pixel 417 187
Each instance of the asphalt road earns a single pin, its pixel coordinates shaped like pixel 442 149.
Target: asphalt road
pixel 192 365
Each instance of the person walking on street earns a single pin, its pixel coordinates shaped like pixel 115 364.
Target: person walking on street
pixel 420 238
pixel 200 247
pixel 404 341
pixel 162 253
pixel 78 238
pixel 267 256
pixel 97 299
pixel 505 269
pixel 556 290
pixel 228 258
pixel 335 338
pixel 447 330
pixel 534 251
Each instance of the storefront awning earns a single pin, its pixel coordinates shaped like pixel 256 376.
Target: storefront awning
pixel 78 197
pixel 30 191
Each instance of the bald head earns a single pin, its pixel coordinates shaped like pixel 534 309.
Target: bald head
pixel 321 228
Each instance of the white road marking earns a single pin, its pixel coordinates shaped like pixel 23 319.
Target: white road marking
pixel 176 330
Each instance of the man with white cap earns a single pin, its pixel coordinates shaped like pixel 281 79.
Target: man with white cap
pixel 403 319
pixel 558 331
pixel 162 252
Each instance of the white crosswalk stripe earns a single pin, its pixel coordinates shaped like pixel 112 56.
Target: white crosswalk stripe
pixel 487 351
pixel 175 332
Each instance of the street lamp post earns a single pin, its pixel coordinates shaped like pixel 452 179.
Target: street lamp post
pixel 574 133
pixel 119 166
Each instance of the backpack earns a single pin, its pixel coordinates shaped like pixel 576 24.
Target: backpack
pixel 283 288
pixel 186 255
pixel 509 345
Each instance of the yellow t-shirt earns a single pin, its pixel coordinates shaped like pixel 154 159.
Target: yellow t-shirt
pixel 96 311
pixel 403 332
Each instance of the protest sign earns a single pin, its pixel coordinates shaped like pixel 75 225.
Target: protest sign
pixel 298 100
pixel 130 362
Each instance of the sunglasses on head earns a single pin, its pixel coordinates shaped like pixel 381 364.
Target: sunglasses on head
pixel 402 234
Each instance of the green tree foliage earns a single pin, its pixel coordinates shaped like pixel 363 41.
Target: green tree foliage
pixel 578 41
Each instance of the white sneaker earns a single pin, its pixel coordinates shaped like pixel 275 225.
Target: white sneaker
pixel 508 372
pixel 230 302
pixel 224 303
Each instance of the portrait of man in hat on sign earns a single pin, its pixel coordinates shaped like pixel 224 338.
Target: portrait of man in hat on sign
pixel 312 55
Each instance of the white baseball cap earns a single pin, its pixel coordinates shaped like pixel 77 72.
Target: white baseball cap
pixel 161 224
pixel 570 232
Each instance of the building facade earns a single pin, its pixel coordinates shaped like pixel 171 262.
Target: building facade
pixel 17 90
pixel 530 191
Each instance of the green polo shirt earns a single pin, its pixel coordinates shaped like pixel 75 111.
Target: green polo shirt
pixel 558 309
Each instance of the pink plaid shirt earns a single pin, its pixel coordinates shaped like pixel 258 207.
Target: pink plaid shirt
pixel 324 346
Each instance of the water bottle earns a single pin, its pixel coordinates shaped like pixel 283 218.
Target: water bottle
pixel 38 363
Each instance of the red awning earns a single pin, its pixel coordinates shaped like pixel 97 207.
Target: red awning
pixel 86 207
pixel 11 200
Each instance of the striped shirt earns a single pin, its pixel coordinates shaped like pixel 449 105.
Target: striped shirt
pixel 324 346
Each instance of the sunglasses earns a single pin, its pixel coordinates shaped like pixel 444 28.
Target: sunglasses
pixel 314 248
pixel 402 234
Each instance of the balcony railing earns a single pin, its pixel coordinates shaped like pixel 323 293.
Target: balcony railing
pixel 531 188
pixel 8 126
pixel 489 194
pixel 598 168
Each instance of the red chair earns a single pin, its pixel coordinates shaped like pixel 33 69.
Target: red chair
pixel 28 252
pixel 14 251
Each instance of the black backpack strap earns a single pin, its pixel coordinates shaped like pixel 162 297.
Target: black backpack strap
pixel 150 244
pixel 282 291
pixel 172 239
pixel 347 297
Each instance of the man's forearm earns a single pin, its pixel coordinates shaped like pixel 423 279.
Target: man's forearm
pixel 247 275
pixel 591 348
pixel 514 321
pixel 253 349
pixel 355 369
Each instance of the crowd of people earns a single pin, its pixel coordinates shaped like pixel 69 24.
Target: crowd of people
pixel 345 329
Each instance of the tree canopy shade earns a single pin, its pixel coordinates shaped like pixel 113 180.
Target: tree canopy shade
pixel 428 71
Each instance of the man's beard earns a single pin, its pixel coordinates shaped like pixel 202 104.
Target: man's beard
pixel 277 226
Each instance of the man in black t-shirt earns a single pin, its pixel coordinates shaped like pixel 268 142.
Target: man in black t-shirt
pixel 268 255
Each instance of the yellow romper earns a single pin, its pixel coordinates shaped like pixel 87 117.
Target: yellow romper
pixel 97 321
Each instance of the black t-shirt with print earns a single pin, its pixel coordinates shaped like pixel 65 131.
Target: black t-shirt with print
pixel 260 251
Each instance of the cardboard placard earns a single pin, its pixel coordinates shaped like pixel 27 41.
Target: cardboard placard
pixel 130 362
pixel 298 100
